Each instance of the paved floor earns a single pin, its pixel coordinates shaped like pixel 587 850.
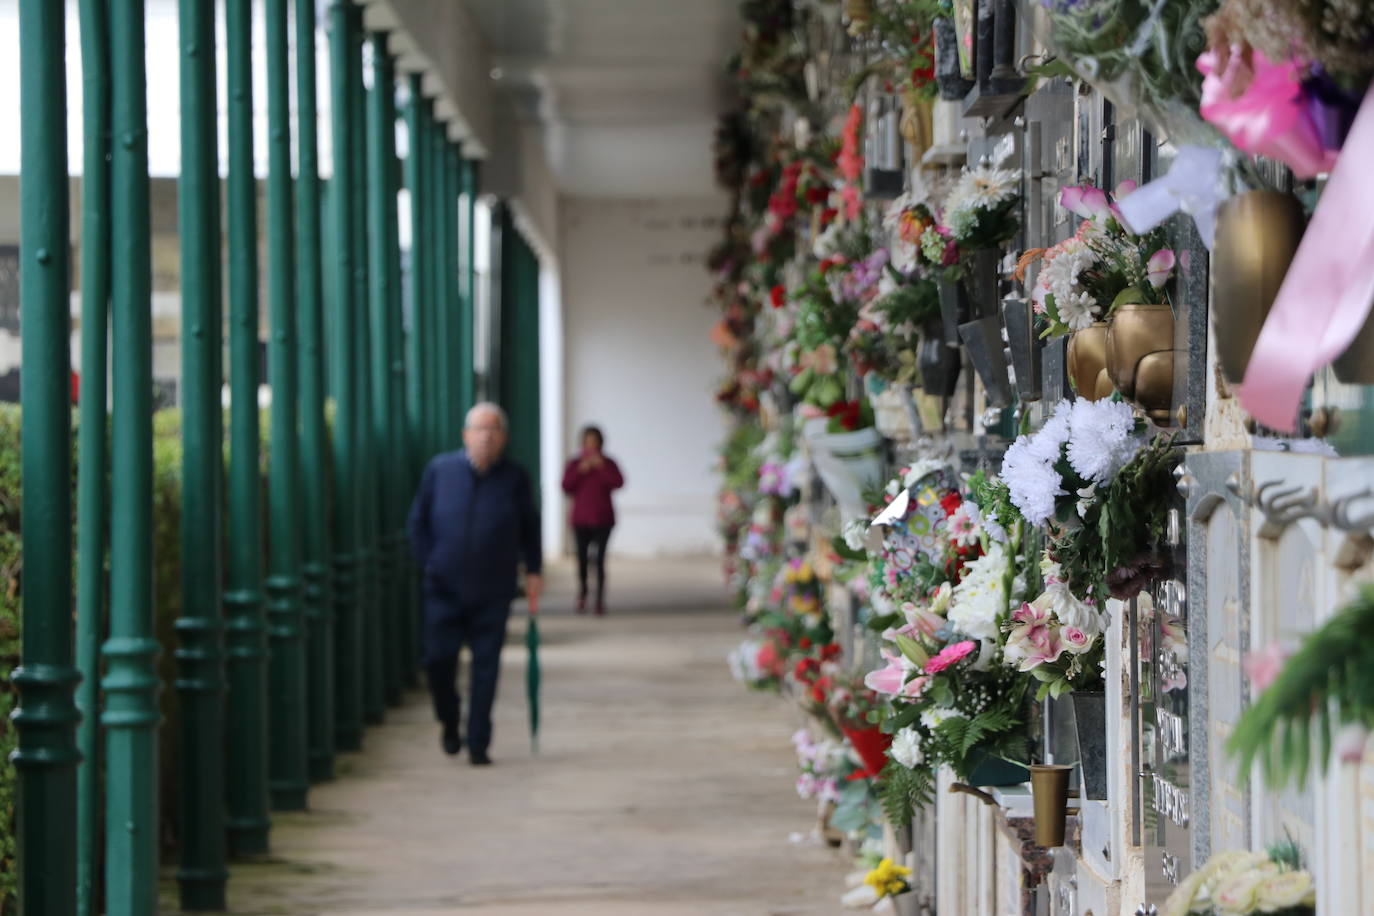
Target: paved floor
pixel 661 786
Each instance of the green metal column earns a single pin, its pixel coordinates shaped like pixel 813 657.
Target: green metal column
pixel 457 359
pixel 131 685
pixel 374 691
pixel 247 646
pixel 442 263
pixel 467 283
pixel 286 673
pixel 46 718
pixel 92 464
pixel 519 345
pixel 314 434
pixel 381 214
pixel 400 604
pixel 348 705
pixel 200 652
pixel 418 329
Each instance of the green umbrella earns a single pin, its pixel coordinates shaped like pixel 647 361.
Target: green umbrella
pixel 532 673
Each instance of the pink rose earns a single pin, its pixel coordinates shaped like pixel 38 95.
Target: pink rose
pixel 1075 640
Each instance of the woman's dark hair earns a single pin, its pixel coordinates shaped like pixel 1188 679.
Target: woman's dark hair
pixel 593 431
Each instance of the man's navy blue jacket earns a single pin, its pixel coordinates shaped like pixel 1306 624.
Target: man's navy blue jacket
pixel 469 529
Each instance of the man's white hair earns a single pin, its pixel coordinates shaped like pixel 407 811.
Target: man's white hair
pixel 488 407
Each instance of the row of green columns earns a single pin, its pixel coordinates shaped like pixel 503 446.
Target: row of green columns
pixel 200 650
pixel 314 457
pixel 321 640
pixel 46 759
pixel 92 451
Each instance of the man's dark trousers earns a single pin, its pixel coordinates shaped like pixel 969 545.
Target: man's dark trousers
pixel 448 626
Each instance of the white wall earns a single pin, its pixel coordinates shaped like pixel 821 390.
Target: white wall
pixel 639 362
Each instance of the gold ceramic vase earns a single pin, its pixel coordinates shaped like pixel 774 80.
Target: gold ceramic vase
pixel 1257 235
pixel 1140 356
pixel 1050 792
pixel 1087 358
pixel 1356 365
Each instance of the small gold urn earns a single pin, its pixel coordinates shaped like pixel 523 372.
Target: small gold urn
pixel 1087 358
pixel 1140 356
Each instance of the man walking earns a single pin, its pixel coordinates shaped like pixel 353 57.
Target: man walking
pixel 473 520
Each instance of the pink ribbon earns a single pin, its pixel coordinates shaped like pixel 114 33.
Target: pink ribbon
pixel 1326 296
pixel 1259 105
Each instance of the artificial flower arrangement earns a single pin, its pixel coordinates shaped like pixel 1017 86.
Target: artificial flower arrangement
pixel 948 567
pixel 1104 265
pixel 1101 491
pixel 1058 637
pixel 823 766
pixel 982 210
pixel 821 324
pixel 1240 883
pixel 1322 693
pixel 887 334
pixel 759 661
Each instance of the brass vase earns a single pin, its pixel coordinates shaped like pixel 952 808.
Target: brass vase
pixel 1140 356
pixel 1257 235
pixel 1050 792
pixel 1087 358
pixel 1356 365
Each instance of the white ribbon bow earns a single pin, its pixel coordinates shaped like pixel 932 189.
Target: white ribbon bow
pixel 1190 186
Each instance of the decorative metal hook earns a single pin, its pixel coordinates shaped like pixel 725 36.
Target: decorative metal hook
pixel 1283 507
pixel 1341 517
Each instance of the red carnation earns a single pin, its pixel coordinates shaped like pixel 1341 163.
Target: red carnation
pixel 778 296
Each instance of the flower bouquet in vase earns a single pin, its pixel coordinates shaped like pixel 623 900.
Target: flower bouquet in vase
pixel 1106 288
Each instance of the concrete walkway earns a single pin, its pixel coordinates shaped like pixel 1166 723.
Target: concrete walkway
pixel 661 786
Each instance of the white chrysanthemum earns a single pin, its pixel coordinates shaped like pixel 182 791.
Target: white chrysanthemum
pixel 1076 310
pixel 906 748
pixel 1102 438
pixel 980 598
pixel 984 187
pixel 932 718
pixel 1033 483
pixel 1045 443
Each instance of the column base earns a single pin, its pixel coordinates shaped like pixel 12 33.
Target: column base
pixel 202 890
pixel 289 797
pixel 249 837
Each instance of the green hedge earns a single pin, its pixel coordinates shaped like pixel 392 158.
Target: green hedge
pixel 167 582
pixel 9 643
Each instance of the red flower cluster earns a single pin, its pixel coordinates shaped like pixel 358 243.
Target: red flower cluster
pixel 847 412
pixel 778 296
pixel 924 76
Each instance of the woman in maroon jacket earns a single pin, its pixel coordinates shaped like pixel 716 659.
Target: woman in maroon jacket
pixel 589 479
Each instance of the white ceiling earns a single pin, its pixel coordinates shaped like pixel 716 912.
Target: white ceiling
pixel 627 90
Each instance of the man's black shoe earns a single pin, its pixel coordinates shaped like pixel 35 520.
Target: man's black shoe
pixel 479 759
pixel 452 741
